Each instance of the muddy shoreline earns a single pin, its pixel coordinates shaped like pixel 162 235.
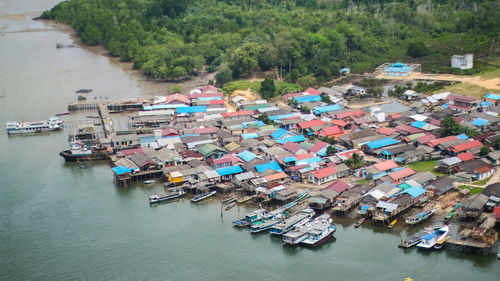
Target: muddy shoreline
pixel 148 86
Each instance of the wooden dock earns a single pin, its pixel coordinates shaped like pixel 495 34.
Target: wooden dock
pixel 128 178
pixel 82 106
pixel 469 246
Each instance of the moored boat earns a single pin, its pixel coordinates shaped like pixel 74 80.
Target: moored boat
pixel 319 233
pixel 290 223
pixel 420 216
pixel 434 235
pixel 452 213
pixel 149 181
pixel 410 242
pixel 53 124
pixel 229 206
pixel 300 233
pixel 62 113
pixel 229 199
pixel 245 199
pixel 202 196
pixel 254 216
pixel 266 225
pixel 358 224
pixel 392 223
pixel 165 197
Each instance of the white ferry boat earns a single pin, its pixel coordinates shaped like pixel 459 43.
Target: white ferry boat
pixel 53 124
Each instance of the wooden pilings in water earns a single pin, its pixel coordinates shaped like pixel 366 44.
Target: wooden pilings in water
pixel 128 178
pixel 82 106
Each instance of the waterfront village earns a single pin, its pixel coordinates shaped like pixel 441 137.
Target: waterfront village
pixel 387 163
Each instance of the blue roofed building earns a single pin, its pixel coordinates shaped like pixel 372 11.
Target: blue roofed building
pixel 398 69
pixel 370 146
pixel 493 98
pixel 249 136
pixel 247 156
pixel 227 172
pixel 278 134
pixel 191 109
pixel 303 99
pixel 297 138
pixel 269 166
pixel 321 110
pixel 121 170
pixel 479 122
pixel 282 116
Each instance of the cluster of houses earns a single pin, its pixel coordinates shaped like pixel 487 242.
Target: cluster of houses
pixel 194 141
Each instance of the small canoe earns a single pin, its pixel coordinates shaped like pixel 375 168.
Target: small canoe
pixel 62 113
pixel 358 224
pixel 392 223
pixel 149 181
pixel 229 199
pixel 229 206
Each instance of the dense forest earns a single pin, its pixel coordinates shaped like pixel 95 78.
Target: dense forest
pixel 301 40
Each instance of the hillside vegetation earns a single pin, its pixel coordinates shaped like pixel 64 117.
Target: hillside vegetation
pixel 304 41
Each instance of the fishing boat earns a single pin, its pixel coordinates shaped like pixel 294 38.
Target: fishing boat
pixel 85 144
pixel 433 236
pixel 410 242
pixel 440 243
pixel 229 206
pixel 452 213
pixel 53 124
pixel 229 199
pixel 358 224
pixel 250 218
pixel 165 197
pixel 392 223
pixel 245 199
pixel 262 226
pixel 303 195
pixel 498 255
pixel 297 220
pixel 420 216
pixel 300 233
pixel 83 91
pixel 62 113
pixel 202 196
pixel 149 181
pixel 319 233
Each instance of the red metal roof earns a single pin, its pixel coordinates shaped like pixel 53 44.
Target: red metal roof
pixel 209 88
pixel 312 123
pixel 340 123
pixel 292 146
pixel 483 169
pixel 207 130
pixel 238 113
pixel 351 113
pixel 466 146
pixel 441 140
pixel 497 213
pixel 291 95
pixel 409 129
pixel 385 165
pixel 176 97
pixel 426 139
pixel 216 102
pixel 435 122
pixel 386 131
pixel 324 172
pixel 406 172
pixel 296 168
pixel 348 154
pixel 127 152
pixel 460 107
pixel 276 176
pixel 318 146
pixel 299 157
pixel 338 186
pixel 466 156
pixel 461 98
pixel 331 131
pixel 169 132
pixel 205 95
pixel 312 92
pixel 396 115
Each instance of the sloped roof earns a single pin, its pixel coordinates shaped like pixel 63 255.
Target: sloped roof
pixel 386 131
pixel 401 173
pixel 192 109
pixel 276 176
pixel 350 113
pixel 318 146
pixel 381 143
pixel 385 165
pixel 278 134
pixel 269 166
pixel 324 172
pixel 338 186
pixel 333 130
pixel 247 155
pixel 466 156
pixel 327 108
pixel 466 146
pixel 178 97
pixel 229 170
pixel 312 123
pixel 238 113
pixel 340 123
pixel 292 146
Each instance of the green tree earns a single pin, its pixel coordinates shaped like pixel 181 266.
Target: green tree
pixel 305 109
pixel 496 145
pixel 330 150
pixel 267 89
pixel 265 118
pixel 326 98
pixel 484 151
pixel 417 49
pixel 450 127
pixel 176 89
pixel 91 35
pixel 355 162
pixel 224 76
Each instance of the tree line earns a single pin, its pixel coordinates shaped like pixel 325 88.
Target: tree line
pixel 301 40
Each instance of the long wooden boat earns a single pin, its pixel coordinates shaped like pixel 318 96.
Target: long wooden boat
pixel 229 206
pixel 452 213
pixel 358 224
pixel 165 197
pixel 202 196
pixel 420 216
pixel 413 241
pixel 392 223
pixel 245 199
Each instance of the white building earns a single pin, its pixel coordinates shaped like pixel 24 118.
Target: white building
pixel 462 62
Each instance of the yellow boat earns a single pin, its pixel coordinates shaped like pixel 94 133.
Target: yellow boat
pixel 392 223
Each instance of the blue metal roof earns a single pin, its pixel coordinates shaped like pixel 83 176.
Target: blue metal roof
pixel 418 124
pixel 311 160
pixel 289 159
pixel 328 108
pixel 259 123
pixel 279 133
pixel 445 106
pixel 462 137
pixel 229 170
pixel 192 109
pixel 297 138
pixel 492 96
pixel 302 99
pixel 428 236
pixel 415 191
pixel 271 165
pixel 398 67
pixel 209 98
pixel 479 122
pixel 163 106
pixel 485 104
pixel 249 136
pixel 247 155
pixel 344 69
pixel 381 143
pixel 147 139
pixel 283 116
pixel 121 170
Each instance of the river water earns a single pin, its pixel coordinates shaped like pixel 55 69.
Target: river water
pixel 61 222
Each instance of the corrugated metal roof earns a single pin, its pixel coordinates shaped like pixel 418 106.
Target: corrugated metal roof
pixel 328 108
pixel 479 122
pixel 381 143
pixel 303 99
pixel 229 170
pixel 298 138
pixel 271 165
pixel 279 133
pixel 192 109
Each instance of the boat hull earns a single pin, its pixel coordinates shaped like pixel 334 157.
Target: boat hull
pixel 321 241
pixel 69 157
